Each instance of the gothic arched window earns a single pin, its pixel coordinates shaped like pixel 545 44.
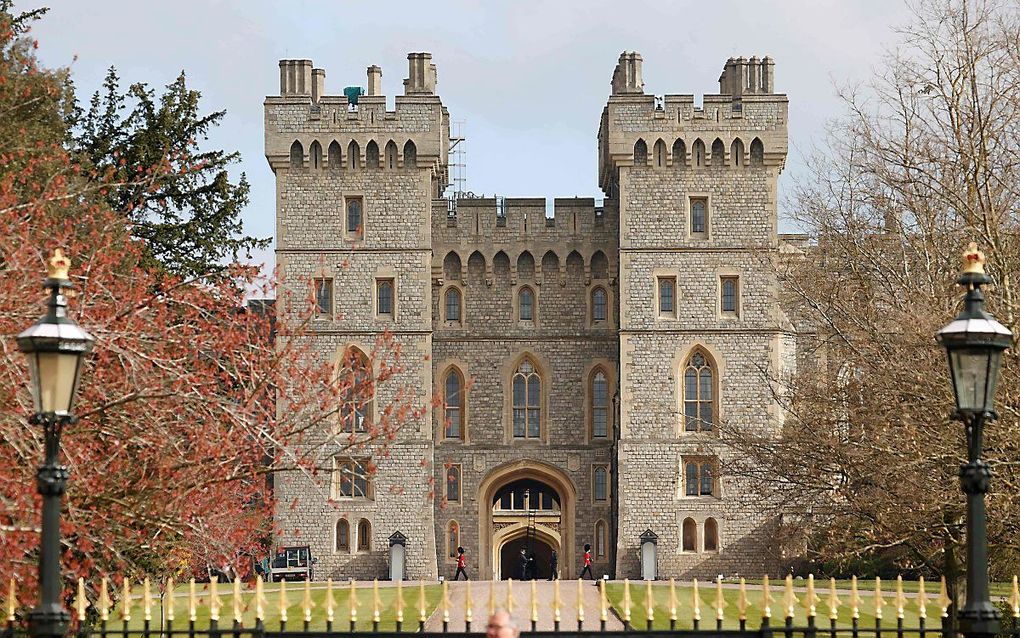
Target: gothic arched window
pixel 343 536
pixel 699 393
pixel 452 305
pixel 527 402
pixel 454 401
pixel 640 153
pixel 356 381
pixel 453 484
pixel 711 535
pixel 601 539
pixel 452 539
pixel 690 536
pixel 354 216
pixel 599 404
pixel 364 535
pixel 599 304
pixel 526 304
pixel 297 155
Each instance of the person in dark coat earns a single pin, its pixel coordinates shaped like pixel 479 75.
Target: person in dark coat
pixel 552 566
pixel 522 571
pixel 532 567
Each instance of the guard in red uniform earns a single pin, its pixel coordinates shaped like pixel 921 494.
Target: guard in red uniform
pixel 587 562
pixel 461 564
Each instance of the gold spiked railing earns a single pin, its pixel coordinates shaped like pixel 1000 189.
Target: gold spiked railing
pixel 854 609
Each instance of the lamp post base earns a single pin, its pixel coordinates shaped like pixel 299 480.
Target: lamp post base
pixel 50 621
pixel 980 620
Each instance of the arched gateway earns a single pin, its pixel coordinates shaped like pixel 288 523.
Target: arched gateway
pixel 526 505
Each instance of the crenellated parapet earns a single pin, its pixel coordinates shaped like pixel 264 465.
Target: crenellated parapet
pixel 353 130
pixel 745 125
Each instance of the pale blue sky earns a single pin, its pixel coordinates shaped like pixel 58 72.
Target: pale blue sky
pixel 528 78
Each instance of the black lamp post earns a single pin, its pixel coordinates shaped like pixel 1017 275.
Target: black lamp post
pixel 974 343
pixel 55 347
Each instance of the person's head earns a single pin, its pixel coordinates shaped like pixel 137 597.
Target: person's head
pixel 522 551
pixel 460 550
pixel 587 547
pixel 501 625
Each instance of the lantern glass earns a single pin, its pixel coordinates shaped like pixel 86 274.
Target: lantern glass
pixel 54 380
pixel 975 373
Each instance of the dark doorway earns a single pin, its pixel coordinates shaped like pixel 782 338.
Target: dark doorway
pixel 510 558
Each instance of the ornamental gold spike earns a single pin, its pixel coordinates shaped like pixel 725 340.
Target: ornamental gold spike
pixel 534 601
pixel 672 600
pixel 580 602
pixel 446 602
pixel 789 599
pixel 879 601
pixel 720 602
pixel 281 601
pixel 81 602
pixel 260 599
pixel 922 599
pixel 331 602
pixel 1014 599
pixel 125 602
pixel 973 260
pixel 834 601
pixel 12 599
pixel 169 594
pixel 238 602
pixel 306 602
pixel 603 603
pixel 766 598
pixel 900 600
pixel 855 599
pixel 353 602
pixel 104 600
pixel 192 601
pixel 422 612
pixel 492 597
pixel 649 602
pixel 215 604
pixel 400 601
pixel 376 602
pixel 146 600
pixel 695 601
pixel 626 601
pixel 742 601
pixel 810 598
pixel 469 603
pixel 510 596
pixel 557 603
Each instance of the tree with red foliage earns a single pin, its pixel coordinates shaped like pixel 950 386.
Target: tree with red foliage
pixel 179 426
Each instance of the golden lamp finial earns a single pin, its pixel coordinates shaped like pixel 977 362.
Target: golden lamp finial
pixel 973 260
pixel 58 265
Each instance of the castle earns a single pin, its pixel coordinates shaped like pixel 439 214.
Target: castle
pixel 585 360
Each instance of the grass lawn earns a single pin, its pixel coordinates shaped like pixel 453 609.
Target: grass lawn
pixel 707 595
pixel 295 613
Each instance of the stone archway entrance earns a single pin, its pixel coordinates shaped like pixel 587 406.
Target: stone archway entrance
pixel 526 505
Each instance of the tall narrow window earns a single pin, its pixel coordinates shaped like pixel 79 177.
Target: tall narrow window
pixel 354 217
pixel 690 535
pixel 711 535
pixel 343 536
pixel 364 535
pixel 698 153
pixel 452 305
pixel 453 484
pixel 707 482
pixel 334 156
pixel 454 416
pixel 353 155
pixel 660 154
pixel 391 155
pixel 691 479
pixel 372 155
pixel 729 297
pixel 297 155
pixel 410 155
pixel 640 153
pixel 356 390
pixel 527 402
pixel 599 405
pixel 699 389
pixel 315 154
pixel 526 304
pixel 601 539
pixel 452 539
pixel 699 217
pixel 599 304
pixel 384 298
pixel 323 297
pixel 600 483
pixel 667 296
pixel 757 152
pixel 350 479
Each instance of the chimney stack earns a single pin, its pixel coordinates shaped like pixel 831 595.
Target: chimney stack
pixel 421 74
pixel 318 84
pixel 374 80
pixel 296 77
pixel 627 75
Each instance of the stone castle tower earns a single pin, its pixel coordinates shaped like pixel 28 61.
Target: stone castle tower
pixel 584 360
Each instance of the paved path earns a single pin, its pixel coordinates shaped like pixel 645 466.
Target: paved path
pixel 544 592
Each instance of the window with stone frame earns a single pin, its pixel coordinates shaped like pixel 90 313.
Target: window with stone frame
pixel 599 305
pixel 699 391
pixel 384 298
pixel 526 304
pixel 452 539
pixel 355 217
pixel 601 540
pixel 453 475
pixel 527 401
pixel 343 536
pixel 364 535
pixel 453 402
pixel 351 479
pixel 323 296
pixel 666 293
pixel 689 536
pixel 452 306
pixel 357 388
pixel 699 217
pixel 700 476
pixel 600 483
pixel 599 393
pixel 711 535
pixel 729 295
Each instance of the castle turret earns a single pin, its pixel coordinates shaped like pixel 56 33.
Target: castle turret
pixel 295 77
pixel 421 74
pixel 627 76
pixel 741 76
